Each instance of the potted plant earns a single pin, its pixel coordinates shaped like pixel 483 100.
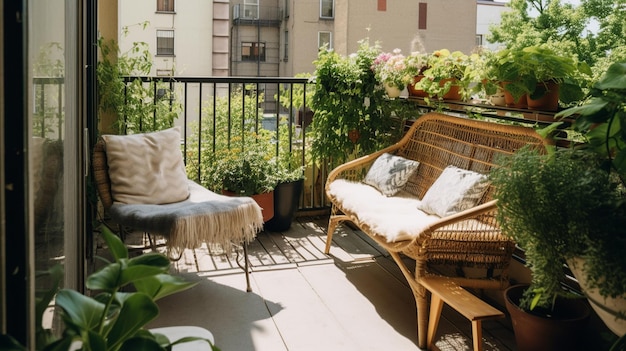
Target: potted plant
pixel 350 116
pixel 390 70
pixel 481 73
pixel 600 120
pixel 112 319
pixel 444 77
pixel 539 76
pixel 289 176
pixel 557 206
pixel 246 172
pixel 415 64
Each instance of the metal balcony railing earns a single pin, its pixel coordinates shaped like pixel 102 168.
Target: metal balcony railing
pixel 200 103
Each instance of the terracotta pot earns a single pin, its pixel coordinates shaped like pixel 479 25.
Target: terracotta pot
pixel 563 331
pixel 549 97
pixel 455 91
pixel 416 92
pixel 608 309
pixel 510 101
pixel 265 201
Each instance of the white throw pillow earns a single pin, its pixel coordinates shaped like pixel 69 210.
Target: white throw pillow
pixel 146 168
pixel 389 173
pixel 454 191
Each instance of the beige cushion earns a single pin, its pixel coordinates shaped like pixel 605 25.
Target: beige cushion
pixel 389 173
pixel 454 191
pixel 146 168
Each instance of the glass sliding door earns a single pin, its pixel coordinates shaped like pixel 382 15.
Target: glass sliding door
pixel 55 158
pixel 48 117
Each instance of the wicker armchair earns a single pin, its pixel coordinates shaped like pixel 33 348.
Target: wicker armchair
pixel 470 238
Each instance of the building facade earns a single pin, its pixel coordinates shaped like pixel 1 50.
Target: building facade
pixel 282 37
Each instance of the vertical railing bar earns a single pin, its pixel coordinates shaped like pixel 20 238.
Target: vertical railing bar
pixel 125 116
pixel 185 120
pixel 199 132
pixel 60 112
pixel 228 129
pixel 42 107
pixel 278 121
pixel 243 116
pixel 215 116
pixel 154 84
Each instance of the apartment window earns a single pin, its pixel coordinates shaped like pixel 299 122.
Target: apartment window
pixel 286 53
pixel 325 39
pixel 165 42
pixel 382 5
pixel 479 39
pixel 165 5
pixel 422 15
pixel 327 8
pixel 251 9
pixel 252 51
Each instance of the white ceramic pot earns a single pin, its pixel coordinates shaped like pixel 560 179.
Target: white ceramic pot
pixel 392 91
pixel 606 308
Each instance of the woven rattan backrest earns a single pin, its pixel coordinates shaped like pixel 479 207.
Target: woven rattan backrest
pixel 101 174
pixel 437 140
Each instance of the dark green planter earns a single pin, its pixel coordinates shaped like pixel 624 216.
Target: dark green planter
pixel 286 200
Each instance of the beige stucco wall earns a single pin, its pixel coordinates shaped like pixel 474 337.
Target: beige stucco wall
pixel 397 27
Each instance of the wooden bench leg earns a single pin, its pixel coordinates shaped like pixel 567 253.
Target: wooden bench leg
pixel 436 305
pixel 477 335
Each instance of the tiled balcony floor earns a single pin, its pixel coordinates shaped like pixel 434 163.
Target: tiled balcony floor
pixel 302 299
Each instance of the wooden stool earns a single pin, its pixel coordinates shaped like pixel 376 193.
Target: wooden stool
pixel 442 290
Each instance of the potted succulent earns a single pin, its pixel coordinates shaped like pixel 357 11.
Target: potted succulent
pixel 112 319
pixel 390 70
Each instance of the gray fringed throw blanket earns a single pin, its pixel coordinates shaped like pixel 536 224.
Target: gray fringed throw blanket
pixel 204 217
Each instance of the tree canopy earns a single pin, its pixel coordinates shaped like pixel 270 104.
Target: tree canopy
pixel 566 27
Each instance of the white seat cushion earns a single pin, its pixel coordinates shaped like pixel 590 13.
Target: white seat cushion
pixel 394 218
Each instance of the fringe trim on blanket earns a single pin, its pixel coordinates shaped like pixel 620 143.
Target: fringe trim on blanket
pixel 223 228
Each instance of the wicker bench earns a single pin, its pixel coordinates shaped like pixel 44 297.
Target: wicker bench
pixel 468 245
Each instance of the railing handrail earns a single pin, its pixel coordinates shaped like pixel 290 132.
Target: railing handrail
pixel 216 79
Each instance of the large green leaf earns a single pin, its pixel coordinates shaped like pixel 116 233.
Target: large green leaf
pixel 107 279
pixel 115 244
pixel 80 311
pixel 95 342
pixel 151 259
pixel 133 273
pixel 62 344
pixel 141 343
pixel 162 285
pixel 614 78
pixel 137 311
